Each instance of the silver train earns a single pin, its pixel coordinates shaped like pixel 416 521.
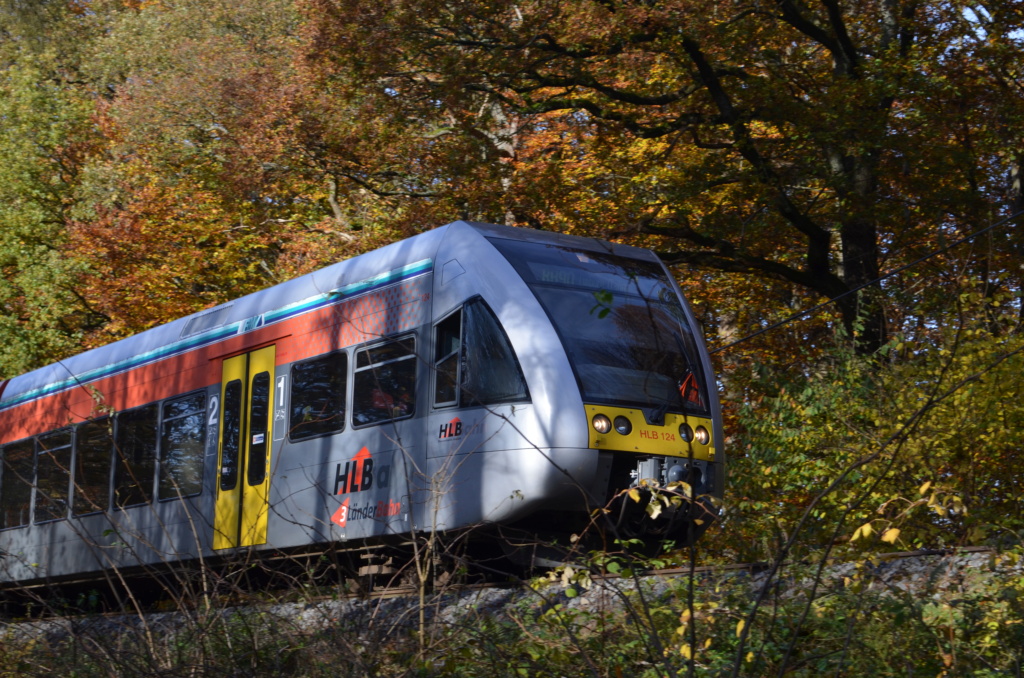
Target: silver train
pixel 473 375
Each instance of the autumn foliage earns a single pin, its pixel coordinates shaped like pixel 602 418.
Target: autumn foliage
pixel 157 158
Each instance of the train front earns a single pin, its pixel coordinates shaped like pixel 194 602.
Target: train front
pixel 644 378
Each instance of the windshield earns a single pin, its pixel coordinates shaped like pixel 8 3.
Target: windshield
pixel 620 321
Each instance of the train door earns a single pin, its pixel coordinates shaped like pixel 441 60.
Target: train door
pixel 243 485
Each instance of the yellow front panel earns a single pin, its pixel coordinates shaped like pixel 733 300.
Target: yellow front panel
pixel 648 438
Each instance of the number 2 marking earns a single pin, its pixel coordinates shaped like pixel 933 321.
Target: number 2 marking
pixel 214 410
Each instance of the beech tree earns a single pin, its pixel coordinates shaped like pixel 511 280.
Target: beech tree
pixel 45 138
pixel 780 154
pixel 807 143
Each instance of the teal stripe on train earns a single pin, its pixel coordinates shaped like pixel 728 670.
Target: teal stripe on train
pixel 217 334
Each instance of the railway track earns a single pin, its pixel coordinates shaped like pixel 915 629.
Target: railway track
pixel 349 599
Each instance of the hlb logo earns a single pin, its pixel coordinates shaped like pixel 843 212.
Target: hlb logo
pixel 453 429
pixel 357 475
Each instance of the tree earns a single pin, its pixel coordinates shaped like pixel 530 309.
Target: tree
pixel 44 141
pixel 810 144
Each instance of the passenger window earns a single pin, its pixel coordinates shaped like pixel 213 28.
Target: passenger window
pixel 259 417
pixel 182 442
pixel 93 445
pixel 474 361
pixel 232 435
pixel 135 455
pixel 385 382
pixel 318 396
pixel 16 486
pixel 53 476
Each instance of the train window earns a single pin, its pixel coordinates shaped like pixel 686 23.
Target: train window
pixel 200 323
pixel 93 445
pixel 259 417
pixel 385 382
pixel 182 442
pixel 490 370
pixel 474 360
pixel 447 342
pixel 53 476
pixel 318 396
pixel 621 322
pixel 16 486
pixel 232 435
pixel 135 443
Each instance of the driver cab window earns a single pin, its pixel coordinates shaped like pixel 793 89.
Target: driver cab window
pixel 474 363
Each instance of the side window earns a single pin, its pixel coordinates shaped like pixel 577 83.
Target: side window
pixel 318 396
pixel 182 443
pixel 447 342
pixel 53 476
pixel 93 445
pixel 259 417
pixel 231 436
pixel 384 382
pixel 135 443
pixel 474 361
pixel 16 486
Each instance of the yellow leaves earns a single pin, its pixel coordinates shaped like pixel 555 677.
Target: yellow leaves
pixel 682 487
pixel 944 504
pixel 891 535
pixel 864 531
pixel 687 651
pixel 740 625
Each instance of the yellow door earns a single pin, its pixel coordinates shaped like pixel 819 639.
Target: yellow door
pixel 243 489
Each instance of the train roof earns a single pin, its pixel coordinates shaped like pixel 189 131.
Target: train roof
pixel 381 267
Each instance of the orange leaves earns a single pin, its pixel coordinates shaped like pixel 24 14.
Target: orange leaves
pixel 150 260
pixel 770 162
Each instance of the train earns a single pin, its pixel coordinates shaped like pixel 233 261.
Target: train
pixel 472 376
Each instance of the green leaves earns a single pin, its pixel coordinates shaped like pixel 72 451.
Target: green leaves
pixel 43 140
pixel 604 303
pixel 913 453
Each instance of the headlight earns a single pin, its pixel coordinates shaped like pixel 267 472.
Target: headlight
pixel 685 432
pixel 702 435
pixel 602 424
pixel 623 426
